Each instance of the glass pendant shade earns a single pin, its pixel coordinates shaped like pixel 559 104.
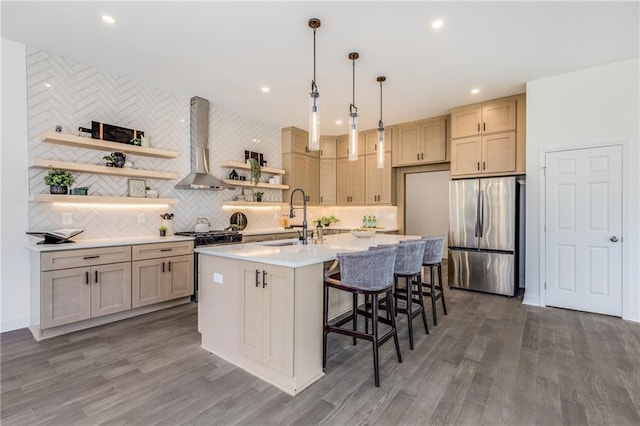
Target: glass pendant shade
pixel 381 148
pixel 314 124
pixel 353 137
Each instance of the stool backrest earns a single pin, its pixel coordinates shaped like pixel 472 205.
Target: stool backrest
pixel 409 257
pixel 433 250
pixel 368 270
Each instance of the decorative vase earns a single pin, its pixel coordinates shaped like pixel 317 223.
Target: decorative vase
pixel 120 159
pixel 58 189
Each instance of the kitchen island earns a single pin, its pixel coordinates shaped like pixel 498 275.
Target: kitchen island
pixel 260 304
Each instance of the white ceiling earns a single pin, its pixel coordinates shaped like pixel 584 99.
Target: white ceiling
pixel 226 51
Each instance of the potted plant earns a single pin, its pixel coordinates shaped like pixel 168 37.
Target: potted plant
pixel 259 196
pixel 256 170
pixel 328 220
pixel 115 159
pixel 59 181
pixel 163 231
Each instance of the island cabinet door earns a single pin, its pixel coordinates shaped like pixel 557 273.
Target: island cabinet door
pixel 277 323
pixel 251 310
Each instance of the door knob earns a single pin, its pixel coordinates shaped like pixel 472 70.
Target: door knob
pixel 613 239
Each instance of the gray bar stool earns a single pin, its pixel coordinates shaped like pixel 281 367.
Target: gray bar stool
pixel 371 274
pixel 433 259
pixel 409 266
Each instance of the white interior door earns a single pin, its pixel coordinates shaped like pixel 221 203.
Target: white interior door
pixel 584 230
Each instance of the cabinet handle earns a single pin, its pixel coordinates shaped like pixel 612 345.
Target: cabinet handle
pixel 484 126
pixel 321 198
pixel 478 165
pixel 95 276
pixel 86 277
pixel 166 249
pixel 321 153
pixel 257 278
pixel 478 127
pixel 90 257
pixel 417 155
pixel 169 266
pixel 422 155
pixel 162 266
pixel 375 146
pixel 264 279
pixel 484 165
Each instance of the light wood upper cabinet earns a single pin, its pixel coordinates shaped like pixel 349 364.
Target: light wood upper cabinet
pixel 484 154
pixel 328 146
pixel 302 166
pixel 420 142
pixel 328 175
pixel 378 181
pixel 496 116
pixel 350 181
pixel 371 140
pixel 342 146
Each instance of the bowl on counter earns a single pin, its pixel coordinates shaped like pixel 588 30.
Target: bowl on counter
pixel 363 232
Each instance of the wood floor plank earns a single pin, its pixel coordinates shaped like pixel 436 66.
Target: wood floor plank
pixel 490 361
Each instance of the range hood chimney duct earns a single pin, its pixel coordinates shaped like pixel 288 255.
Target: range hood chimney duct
pixel 199 178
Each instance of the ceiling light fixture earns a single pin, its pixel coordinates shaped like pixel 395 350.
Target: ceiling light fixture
pixel 475 91
pixel 314 116
pixel 265 89
pixel 437 24
pixel 108 19
pixel 353 114
pixel 381 128
pixel 338 121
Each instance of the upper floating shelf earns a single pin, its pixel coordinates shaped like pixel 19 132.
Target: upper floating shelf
pixel 82 142
pixel 245 166
pixel 39 163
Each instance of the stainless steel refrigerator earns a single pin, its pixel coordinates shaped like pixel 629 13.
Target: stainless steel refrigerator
pixel 483 234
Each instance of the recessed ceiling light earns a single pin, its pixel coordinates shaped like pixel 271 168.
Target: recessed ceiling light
pixel 47 85
pixel 265 89
pixel 438 23
pixel 475 91
pixel 108 19
pixel 338 121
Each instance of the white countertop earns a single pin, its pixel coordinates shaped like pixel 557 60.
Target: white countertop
pixel 288 230
pixel 104 242
pixel 299 255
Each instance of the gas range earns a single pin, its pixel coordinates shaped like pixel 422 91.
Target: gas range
pixel 215 237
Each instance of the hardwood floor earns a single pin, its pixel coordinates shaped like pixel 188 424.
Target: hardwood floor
pixel 490 361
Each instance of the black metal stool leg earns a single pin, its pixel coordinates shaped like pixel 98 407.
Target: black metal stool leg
pixel 374 326
pixel 410 311
pixel 354 316
pixel 366 309
pixel 444 306
pixel 325 322
pixel 392 318
pixel 433 296
pixel 418 281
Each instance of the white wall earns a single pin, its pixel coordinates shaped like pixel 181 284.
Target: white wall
pixel 14 275
pixel 427 204
pixel 594 106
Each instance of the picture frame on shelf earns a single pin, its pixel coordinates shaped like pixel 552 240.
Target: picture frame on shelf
pixel 137 188
pixel 258 156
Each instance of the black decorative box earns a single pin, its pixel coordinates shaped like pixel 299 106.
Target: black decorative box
pixel 109 132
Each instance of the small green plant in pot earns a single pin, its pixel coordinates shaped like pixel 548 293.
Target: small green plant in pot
pixel 328 220
pixel 163 231
pixel 256 171
pixel 59 181
pixel 258 196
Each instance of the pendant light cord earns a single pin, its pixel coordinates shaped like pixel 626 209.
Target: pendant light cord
pixel 353 99
pixel 380 103
pixel 314 60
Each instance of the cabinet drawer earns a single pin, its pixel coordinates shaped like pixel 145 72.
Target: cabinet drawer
pixel 152 251
pixel 64 259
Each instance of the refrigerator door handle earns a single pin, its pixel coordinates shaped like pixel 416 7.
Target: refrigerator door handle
pixel 478 215
pixel 481 215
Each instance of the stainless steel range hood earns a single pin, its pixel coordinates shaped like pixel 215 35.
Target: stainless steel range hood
pixel 199 178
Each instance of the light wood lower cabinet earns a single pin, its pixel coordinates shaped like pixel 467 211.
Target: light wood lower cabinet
pixel 158 280
pixel 266 322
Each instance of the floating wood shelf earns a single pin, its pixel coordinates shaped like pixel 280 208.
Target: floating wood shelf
pixel 82 142
pixel 254 203
pixel 98 199
pixel 101 170
pixel 249 184
pixel 245 166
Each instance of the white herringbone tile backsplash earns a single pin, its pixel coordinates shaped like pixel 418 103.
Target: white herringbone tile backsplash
pixel 79 94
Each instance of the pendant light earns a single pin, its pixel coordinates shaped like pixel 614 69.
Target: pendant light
pixel 381 128
pixel 314 116
pixel 353 115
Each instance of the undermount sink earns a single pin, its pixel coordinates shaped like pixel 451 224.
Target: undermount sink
pixel 279 243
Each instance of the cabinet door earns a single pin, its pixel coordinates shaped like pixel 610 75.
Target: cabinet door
pixel 111 289
pixel 296 140
pixel 378 181
pixel 312 180
pixel 342 146
pixel 384 193
pixel 277 301
pixel 328 147
pixel 499 153
pixel 466 122
pixel 179 276
pixel 148 282
pixel 343 181
pixel 465 156
pixel 251 310
pixel 328 181
pixel 407 144
pixel 499 116
pixel 65 296
pixel 433 146
pixel 357 180
pixel 303 171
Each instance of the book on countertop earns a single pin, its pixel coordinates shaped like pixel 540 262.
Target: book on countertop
pixel 57 236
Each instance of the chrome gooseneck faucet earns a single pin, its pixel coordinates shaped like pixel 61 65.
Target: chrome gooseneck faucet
pixel 292 212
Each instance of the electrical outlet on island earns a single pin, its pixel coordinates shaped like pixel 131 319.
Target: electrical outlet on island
pixel 67 219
